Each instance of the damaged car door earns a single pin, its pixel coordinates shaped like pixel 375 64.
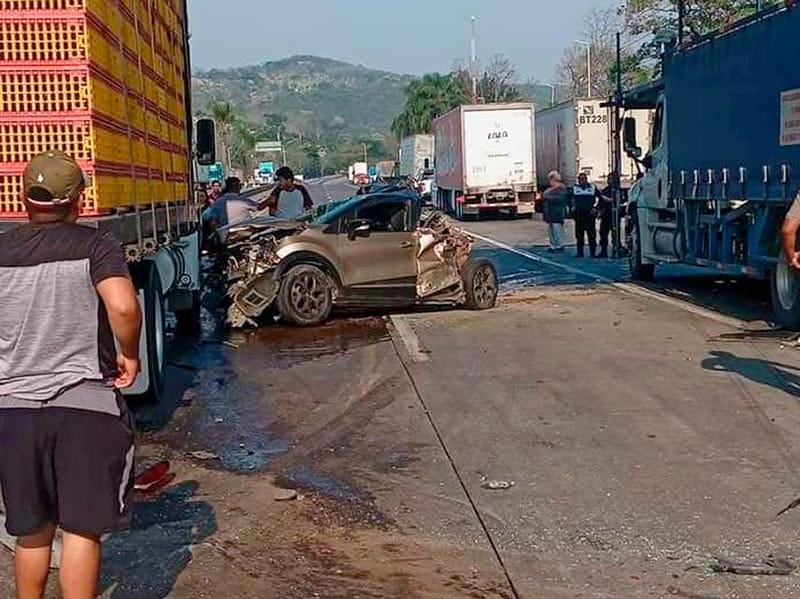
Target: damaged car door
pixel 377 250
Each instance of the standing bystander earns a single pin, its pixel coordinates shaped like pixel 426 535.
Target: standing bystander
pixel 556 199
pixel 583 198
pixel 66 436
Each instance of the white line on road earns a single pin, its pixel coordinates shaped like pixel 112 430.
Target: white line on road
pixel 625 287
pixel 410 340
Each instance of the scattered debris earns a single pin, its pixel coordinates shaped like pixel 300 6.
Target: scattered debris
pixel 284 495
pixel 189 396
pixel 204 455
pixel 791 506
pixel 219 420
pixel 230 344
pixel 497 485
pixel 769 566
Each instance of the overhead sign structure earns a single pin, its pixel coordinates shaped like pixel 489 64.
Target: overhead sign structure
pixel 265 147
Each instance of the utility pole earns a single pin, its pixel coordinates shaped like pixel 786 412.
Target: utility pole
pixel 617 151
pixel 365 153
pixel 473 64
pixel 283 147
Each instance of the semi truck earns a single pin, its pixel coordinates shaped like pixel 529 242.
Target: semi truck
pixel 724 159
pixel 359 174
pixel 576 137
pixel 485 160
pixel 108 83
pixel 416 154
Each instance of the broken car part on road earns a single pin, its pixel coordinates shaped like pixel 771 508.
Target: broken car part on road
pixel 374 251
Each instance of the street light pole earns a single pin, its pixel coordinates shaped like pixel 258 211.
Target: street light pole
pixel 588 66
pixel 552 93
pixel 365 153
pixel 473 64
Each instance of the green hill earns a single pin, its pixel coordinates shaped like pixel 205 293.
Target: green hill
pixel 314 94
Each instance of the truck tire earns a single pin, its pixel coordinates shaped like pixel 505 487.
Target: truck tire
pixel 786 295
pixel 480 284
pixel 639 271
pixel 147 279
pixel 188 318
pixel 306 296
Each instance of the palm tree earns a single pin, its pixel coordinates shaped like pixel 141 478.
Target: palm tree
pixel 225 116
pixel 427 99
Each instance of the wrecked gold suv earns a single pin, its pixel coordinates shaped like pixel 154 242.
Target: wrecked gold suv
pixel 373 251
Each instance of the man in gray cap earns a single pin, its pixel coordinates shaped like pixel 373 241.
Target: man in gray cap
pixel 67 294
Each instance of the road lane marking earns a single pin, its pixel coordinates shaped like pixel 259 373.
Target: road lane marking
pixel 629 288
pixel 409 338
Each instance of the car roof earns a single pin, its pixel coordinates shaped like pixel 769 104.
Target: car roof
pixel 399 196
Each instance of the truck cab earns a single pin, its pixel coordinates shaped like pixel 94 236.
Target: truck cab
pixel 722 168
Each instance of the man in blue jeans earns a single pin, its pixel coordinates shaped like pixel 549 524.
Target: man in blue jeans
pixel 66 436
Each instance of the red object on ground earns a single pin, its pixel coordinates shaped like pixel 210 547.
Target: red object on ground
pixel 152 476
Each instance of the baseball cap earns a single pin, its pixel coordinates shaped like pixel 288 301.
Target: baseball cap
pixel 57 174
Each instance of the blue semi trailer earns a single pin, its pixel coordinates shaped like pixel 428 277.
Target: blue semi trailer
pixel 724 161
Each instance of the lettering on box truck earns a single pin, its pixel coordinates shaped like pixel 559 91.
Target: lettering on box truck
pixel 790 117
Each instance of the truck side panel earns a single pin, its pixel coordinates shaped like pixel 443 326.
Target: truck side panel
pixel 556 142
pixel 724 105
pixel 415 150
pixel 499 148
pixel 449 151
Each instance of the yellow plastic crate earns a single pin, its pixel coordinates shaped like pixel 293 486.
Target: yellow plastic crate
pixel 115 190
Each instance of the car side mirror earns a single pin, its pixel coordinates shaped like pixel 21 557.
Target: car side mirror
pixel 359 228
pixel 206 142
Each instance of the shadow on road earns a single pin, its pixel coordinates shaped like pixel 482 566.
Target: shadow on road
pixel 145 561
pixel 783 377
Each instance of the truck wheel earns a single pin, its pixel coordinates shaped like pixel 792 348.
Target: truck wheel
pixel 188 318
pixel 480 284
pixel 786 295
pixel 306 296
pixel 147 279
pixel 639 271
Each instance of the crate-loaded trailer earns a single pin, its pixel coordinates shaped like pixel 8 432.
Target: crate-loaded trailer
pixel 108 82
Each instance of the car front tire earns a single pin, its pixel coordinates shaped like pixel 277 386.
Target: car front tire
pixel 306 296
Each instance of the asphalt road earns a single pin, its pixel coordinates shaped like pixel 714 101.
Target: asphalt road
pixel 635 434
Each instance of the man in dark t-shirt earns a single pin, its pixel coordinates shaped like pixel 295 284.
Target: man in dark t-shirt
pixel 66 437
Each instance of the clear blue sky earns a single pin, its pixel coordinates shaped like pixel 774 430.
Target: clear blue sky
pixel 407 36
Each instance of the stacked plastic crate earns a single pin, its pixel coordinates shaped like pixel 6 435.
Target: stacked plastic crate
pixel 102 80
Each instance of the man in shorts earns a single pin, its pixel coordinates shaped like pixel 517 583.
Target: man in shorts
pixel 66 437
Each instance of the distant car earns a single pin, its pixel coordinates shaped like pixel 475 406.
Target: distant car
pixel 425 180
pixel 375 251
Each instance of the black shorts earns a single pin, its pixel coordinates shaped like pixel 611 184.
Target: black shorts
pixel 66 466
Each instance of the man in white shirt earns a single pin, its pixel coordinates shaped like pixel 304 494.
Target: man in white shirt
pixel 289 199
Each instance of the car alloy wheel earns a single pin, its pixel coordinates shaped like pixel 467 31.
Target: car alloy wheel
pixel 308 295
pixel 484 286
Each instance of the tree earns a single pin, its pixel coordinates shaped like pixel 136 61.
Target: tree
pixel 600 27
pixel 499 82
pixel 427 99
pixel 701 16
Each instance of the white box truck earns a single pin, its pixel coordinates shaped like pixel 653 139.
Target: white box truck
pixel 416 155
pixel 576 137
pixel 485 160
